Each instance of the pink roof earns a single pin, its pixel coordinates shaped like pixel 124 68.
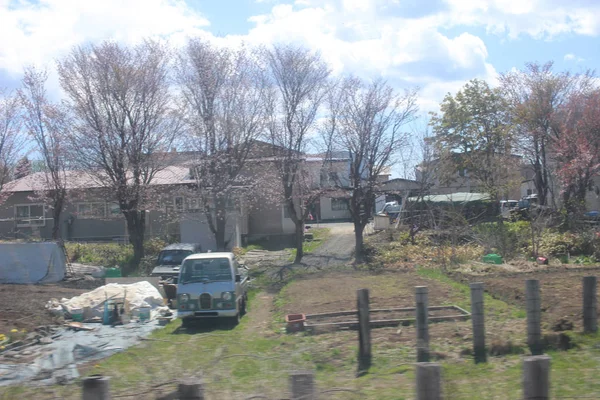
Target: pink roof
pixel 172 175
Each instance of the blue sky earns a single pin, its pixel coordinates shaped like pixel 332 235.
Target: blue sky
pixel 436 45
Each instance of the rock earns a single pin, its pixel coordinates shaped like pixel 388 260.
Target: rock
pixel 46 340
pixel 562 325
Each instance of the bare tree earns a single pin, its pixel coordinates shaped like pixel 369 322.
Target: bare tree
pixel 225 95
pixel 300 78
pixel 535 95
pixel 370 130
pixel 125 122
pixel 12 140
pixel 48 124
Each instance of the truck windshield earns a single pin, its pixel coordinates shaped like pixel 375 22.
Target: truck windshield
pixel 206 270
pixel 172 257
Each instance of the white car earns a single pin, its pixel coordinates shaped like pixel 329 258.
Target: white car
pixel 212 285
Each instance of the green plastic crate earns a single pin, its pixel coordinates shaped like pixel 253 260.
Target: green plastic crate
pixel 493 259
pixel 113 273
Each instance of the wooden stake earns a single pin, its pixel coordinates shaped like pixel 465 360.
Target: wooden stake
pixel 364 331
pixel 96 387
pixel 429 386
pixel 536 378
pixel 478 322
pixel 302 385
pixel 191 390
pixel 422 324
pixel 534 316
pixel 590 304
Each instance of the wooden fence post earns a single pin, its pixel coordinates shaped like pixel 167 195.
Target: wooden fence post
pixel 364 331
pixel 192 389
pixel 429 385
pixel 536 378
pixel 422 324
pixel 590 304
pixel 302 385
pixel 478 322
pixel 96 387
pixel 534 316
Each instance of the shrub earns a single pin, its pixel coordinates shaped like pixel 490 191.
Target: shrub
pixel 556 244
pixel 112 254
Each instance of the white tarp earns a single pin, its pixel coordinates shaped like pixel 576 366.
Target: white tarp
pixel 137 295
pixel 31 263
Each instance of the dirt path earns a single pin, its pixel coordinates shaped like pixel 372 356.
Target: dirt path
pixel 336 250
pixel 259 314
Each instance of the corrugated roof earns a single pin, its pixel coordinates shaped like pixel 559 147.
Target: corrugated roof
pixel 460 197
pixel 83 180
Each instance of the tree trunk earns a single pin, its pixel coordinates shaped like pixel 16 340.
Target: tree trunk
pixel 299 241
pixel 136 227
pixel 56 220
pixel 359 255
pixel 220 219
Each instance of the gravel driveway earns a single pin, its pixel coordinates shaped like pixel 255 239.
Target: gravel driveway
pixel 336 250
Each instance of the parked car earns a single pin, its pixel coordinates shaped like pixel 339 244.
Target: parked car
pixel 506 206
pixel 170 258
pixel 212 285
pixel 391 210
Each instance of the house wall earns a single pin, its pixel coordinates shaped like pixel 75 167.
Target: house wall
pixel 76 227
pixel 195 229
pixel 328 214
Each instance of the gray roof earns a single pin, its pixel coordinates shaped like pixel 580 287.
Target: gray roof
pixel 460 197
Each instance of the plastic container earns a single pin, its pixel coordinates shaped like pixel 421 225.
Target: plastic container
pixel 113 273
pixel 144 313
pixel 77 314
pixel 295 322
pixel 493 259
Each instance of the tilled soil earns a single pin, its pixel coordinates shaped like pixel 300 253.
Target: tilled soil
pixel 22 306
pixel 560 290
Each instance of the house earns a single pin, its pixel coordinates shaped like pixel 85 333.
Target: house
pixel 175 212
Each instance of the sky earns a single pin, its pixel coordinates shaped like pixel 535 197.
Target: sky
pixel 435 45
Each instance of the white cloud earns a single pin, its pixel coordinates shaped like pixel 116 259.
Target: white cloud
pixel 573 57
pixel 540 19
pixel 35 32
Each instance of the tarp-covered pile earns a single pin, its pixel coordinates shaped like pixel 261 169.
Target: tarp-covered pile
pixel 31 263
pixel 137 296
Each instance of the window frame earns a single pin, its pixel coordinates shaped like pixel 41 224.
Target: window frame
pixel 91 203
pixel 29 224
pixel 336 201
pixel 177 209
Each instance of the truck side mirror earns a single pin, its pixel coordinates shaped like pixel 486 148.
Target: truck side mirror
pixel 238 278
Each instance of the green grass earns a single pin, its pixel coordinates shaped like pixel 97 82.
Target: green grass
pixel 319 236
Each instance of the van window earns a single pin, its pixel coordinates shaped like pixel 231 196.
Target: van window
pixel 206 270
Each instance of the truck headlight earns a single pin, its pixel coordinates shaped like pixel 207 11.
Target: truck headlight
pixel 226 296
pixel 184 297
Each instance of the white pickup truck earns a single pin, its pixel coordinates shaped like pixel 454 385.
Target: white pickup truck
pixel 212 285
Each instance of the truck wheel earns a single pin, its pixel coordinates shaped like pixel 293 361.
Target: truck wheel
pixel 186 323
pixel 233 321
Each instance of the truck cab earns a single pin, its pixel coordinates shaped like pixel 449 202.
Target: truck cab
pixel 170 258
pixel 212 285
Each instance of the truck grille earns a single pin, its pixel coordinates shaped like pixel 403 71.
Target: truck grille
pixel 205 301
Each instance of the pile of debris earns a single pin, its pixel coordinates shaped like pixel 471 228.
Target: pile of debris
pixel 99 323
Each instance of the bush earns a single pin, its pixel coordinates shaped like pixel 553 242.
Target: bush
pixel 497 238
pixel 113 254
pixel 556 244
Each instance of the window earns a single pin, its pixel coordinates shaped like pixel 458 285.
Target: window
pixel 179 203
pixel 194 204
pixel 30 215
pixel 339 204
pixel 113 209
pixel 91 210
